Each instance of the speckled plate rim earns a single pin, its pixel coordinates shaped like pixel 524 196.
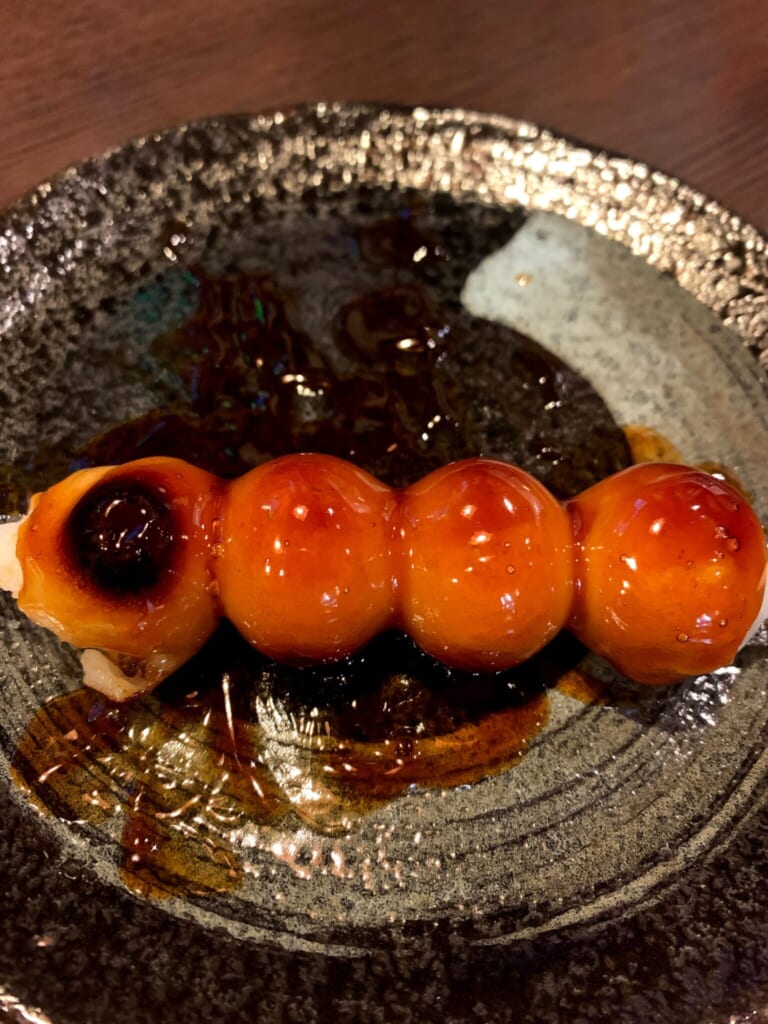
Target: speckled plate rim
pixel 715 255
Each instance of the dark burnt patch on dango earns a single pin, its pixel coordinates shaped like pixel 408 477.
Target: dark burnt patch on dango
pixel 122 535
pixel 119 559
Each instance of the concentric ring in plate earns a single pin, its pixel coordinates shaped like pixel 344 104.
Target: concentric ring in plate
pixel 615 872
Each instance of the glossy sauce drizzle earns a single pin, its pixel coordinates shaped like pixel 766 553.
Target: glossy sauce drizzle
pixel 649 445
pixel 255 386
pixel 188 773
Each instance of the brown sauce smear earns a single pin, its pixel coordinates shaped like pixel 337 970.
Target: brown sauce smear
pixel 582 686
pixel 171 777
pixel 184 772
pixel 256 387
pixel 649 445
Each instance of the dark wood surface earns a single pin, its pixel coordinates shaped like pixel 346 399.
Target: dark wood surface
pixel 681 84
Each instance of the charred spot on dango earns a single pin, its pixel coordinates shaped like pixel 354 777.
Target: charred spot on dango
pixel 118 560
pixel 122 535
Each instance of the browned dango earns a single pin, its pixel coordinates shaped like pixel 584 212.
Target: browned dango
pixel 660 568
pixel 118 559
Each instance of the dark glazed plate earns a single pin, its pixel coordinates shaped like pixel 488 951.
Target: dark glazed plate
pixel 617 870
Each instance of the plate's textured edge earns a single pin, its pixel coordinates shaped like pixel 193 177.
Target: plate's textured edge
pixel 716 256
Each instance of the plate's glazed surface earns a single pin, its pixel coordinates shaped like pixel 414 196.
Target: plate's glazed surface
pixel 616 870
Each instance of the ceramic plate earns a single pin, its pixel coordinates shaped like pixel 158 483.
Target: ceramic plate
pixel 608 860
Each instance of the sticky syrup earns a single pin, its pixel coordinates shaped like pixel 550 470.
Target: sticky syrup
pixel 649 445
pixel 207 758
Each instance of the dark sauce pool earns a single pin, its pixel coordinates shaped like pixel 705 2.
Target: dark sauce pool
pixel 344 337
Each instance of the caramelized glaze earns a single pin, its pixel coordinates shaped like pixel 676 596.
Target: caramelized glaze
pixel 671 570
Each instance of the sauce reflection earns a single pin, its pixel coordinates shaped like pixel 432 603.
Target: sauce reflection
pixel 235 742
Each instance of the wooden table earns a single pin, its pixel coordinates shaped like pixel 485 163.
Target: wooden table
pixel 681 84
